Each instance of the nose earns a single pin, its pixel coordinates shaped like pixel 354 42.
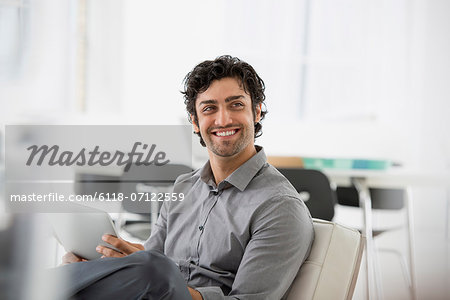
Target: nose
pixel 223 118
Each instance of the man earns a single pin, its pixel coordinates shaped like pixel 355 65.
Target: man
pixel 241 233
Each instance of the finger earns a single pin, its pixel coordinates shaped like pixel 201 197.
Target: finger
pixel 118 243
pixel 108 252
pixel 65 259
pixel 69 257
pixel 138 246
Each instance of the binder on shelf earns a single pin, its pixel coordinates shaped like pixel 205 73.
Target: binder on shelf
pixel 345 163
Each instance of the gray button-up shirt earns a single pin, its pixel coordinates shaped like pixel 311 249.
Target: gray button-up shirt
pixel 242 239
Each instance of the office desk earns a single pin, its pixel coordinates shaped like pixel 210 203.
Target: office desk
pixel 362 180
pixel 393 178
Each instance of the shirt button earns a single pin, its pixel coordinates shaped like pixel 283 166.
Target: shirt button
pixel 216 193
pixel 200 228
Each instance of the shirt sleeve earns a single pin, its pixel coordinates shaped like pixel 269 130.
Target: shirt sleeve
pixel 157 238
pixel 159 232
pixel 282 234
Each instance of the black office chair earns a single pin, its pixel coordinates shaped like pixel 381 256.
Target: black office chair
pixel 314 189
pixel 92 184
pixel 142 186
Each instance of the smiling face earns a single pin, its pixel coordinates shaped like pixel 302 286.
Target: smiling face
pixel 225 119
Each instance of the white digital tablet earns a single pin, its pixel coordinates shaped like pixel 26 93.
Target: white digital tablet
pixel 80 232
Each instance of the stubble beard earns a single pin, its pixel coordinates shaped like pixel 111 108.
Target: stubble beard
pixel 230 148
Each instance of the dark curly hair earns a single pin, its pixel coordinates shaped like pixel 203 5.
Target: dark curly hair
pixel 200 78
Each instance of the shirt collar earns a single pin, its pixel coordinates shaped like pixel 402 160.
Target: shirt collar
pixel 242 176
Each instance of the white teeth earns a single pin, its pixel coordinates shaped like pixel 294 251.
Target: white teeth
pixel 226 133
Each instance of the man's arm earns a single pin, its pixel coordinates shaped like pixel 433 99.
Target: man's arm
pixel 282 234
pixel 159 231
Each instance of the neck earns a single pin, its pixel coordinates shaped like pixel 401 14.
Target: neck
pixel 222 167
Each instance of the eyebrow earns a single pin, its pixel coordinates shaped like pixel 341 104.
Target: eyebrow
pixel 228 99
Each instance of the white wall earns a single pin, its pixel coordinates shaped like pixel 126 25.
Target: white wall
pixel 430 69
pixel 41 89
pixel 140 51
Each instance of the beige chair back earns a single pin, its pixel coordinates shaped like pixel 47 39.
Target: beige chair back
pixel 331 270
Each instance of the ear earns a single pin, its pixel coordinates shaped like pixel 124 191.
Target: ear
pixel 258 113
pixel 194 124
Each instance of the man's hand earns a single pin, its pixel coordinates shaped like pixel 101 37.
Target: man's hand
pixel 195 294
pixel 69 258
pixel 125 248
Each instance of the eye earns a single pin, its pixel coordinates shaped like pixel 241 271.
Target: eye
pixel 208 109
pixel 237 105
